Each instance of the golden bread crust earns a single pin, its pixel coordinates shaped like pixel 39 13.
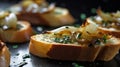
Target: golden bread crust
pixel 33 18
pixel 73 52
pixel 4 57
pixel 115 33
pixel 54 17
pixel 43 45
pixel 104 30
pixel 17 36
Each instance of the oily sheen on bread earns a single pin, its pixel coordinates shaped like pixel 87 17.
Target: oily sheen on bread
pixel 4 55
pixel 12 30
pixel 76 44
pixel 108 22
pixel 43 14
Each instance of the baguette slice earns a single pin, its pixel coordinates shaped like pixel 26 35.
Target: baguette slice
pixel 44 14
pixel 17 36
pixel 4 55
pixel 108 23
pixel 111 31
pixel 108 52
pixel 56 51
pixel 57 17
pixel 42 45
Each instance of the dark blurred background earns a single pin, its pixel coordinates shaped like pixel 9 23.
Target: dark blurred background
pixel 79 8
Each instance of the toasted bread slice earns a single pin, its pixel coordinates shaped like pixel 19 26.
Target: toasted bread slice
pixel 4 56
pixel 62 44
pixel 57 51
pixel 108 23
pixel 22 34
pixel 44 14
pixel 111 30
pixel 57 17
pixel 108 52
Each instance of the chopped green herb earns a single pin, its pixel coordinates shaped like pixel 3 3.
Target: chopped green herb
pixel 15 46
pixel 55 34
pixel 93 10
pixel 17 54
pixel 83 16
pixel 97 42
pixel 77 25
pixel 77 65
pixel 35 32
pixel 87 32
pixel 67 27
pixel 64 39
pixel 104 38
pixel 26 56
pixel 78 35
pixel 92 18
pixel 22 64
pixel 104 23
pixel 57 40
pixel 24 60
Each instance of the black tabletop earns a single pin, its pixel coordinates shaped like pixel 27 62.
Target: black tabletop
pixel 80 9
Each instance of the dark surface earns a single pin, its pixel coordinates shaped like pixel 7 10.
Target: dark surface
pixel 77 8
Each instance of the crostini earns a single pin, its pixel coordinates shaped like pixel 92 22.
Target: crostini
pixel 42 13
pixel 4 55
pixel 86 43
pixel 12 30
pixel 108 22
